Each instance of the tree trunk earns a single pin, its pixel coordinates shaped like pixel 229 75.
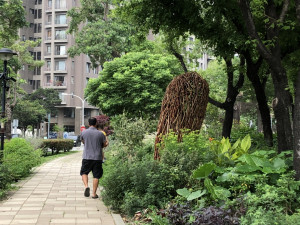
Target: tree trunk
pixel 232 92
pixel 253 76
pixel 282 111
pixel 296 126
pixel 227 124
pixel 273 58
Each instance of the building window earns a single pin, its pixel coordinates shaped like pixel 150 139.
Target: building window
pixel 37 55
pixel 69 112
pixel 61 19
pixel 49 4
pixel 60 65
pixel 37 28
pixel 37 13
pixel 60 34
pixel 60 50
pixel 87 112
pixel 31 11
pixel 37 71
pixel 48 47
pixel 60 4
pixel 87 80
pixel 88 67
pixel 49 19
pixel 69 129
pixel 59 81
pixel 23 38
pixel 49 34
pixel 48 82
pixel 48 63
pixel 72 80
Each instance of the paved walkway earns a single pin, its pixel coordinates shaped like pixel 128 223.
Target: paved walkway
pixel 54 195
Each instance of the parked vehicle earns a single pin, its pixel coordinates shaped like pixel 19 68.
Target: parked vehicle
pixel 75 138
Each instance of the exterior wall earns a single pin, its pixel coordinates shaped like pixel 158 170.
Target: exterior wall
pixel 61 72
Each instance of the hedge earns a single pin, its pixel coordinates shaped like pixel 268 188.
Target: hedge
pixel 57 145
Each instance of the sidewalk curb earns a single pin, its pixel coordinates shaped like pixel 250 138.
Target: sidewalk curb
pixel 118 219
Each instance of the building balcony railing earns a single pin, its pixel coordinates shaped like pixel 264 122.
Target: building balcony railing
pixel 62 84
pixel 61 22
pixel 61 37
pixel 48 38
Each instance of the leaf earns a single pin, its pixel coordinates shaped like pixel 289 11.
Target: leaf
pixel 183 192
pixel 247 168
pixel 209 186
pixel 204 170
pixel 279 164
pixel 246 143
pixel 195 195
pixel 222 193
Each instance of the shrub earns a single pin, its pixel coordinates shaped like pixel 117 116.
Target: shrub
pixel 20 157
pixel 130 132
pixel 57 145
pixel 5 179
pixel 105 121
pixel 133 184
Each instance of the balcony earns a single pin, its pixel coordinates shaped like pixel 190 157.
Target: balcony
pixel 61 23
pixel 56 84
pixel 61 38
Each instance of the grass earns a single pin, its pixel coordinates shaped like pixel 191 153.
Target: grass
pixel 48 158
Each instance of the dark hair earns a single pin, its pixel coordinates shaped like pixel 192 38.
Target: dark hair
pixel 92 121
pixel 100 125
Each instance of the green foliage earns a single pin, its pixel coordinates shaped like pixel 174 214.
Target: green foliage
pixel 47 97
pixel 28 113
pixel 12 17
pixel 57 145
pixel 5 179
pixel 131 185
pixel 20 157
pixel 130 132
pixel 134 83
pixel 223 152
pixel 184 156
pixel 271 204
pixel 104 37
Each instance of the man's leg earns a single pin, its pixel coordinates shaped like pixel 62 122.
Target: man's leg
pixel 95 186
pixel 85 180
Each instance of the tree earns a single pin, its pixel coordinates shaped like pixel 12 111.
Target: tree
pixel 219 24
pixel 134 83
pixel 104 37
pixel 276 18
pixel 29 113
pixel 48 98
pixel 12 17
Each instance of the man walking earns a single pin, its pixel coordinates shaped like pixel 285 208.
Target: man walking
pixel 93 141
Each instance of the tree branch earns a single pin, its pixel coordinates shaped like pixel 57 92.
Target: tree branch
pixel 284 10
pixel 179 57
pixel 245 8
pixel 216 103
pixel 298 10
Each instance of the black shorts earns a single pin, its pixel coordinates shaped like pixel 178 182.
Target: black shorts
pixel 92 165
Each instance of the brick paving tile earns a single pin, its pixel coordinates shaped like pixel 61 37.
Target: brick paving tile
pixel 53 194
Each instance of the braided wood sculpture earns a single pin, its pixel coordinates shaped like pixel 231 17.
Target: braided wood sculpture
pixel 183 106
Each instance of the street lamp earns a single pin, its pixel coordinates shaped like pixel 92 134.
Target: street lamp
pixel 82 100
pixel 5 55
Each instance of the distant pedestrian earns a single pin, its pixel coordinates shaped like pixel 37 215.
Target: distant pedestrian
pixel 94 142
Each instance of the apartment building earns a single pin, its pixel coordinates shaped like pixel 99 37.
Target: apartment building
pixel 49 22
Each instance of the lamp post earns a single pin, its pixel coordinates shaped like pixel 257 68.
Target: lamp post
pixel 82 112
pixel 5 55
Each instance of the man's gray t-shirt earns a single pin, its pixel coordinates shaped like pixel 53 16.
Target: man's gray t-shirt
pixel 93 141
